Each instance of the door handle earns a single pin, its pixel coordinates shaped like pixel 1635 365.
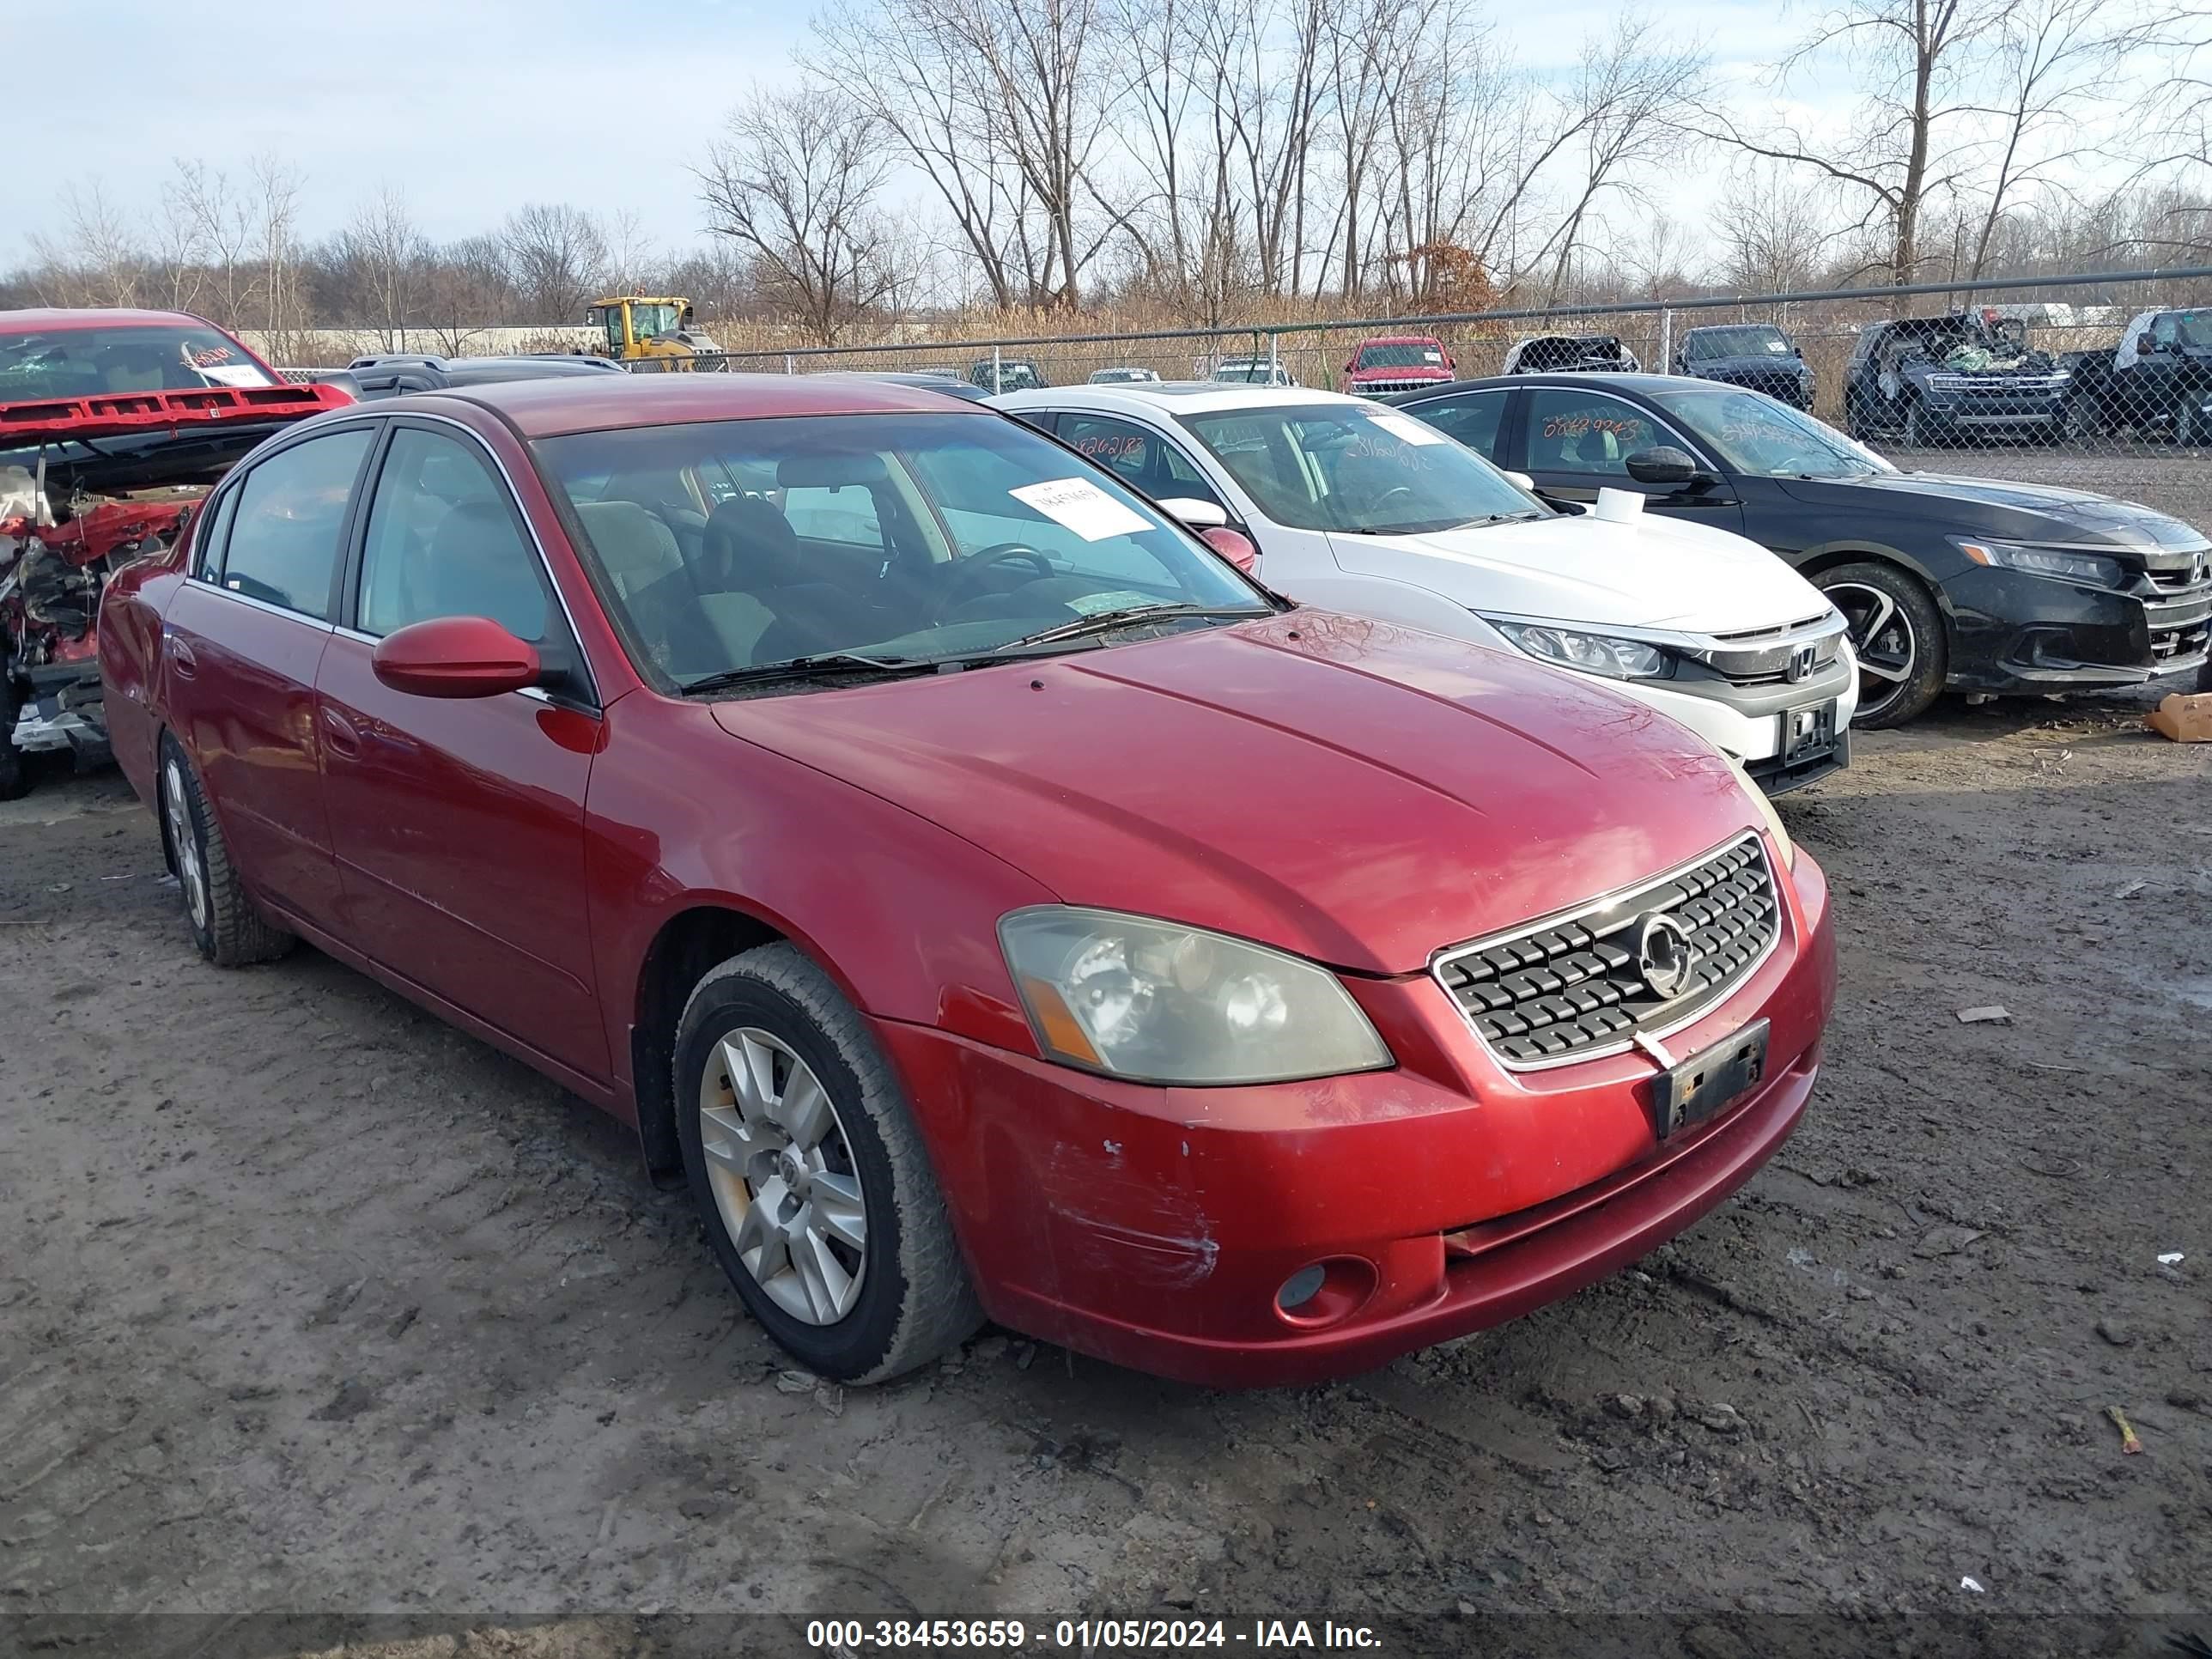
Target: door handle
pixel 182 660
pixel 339 734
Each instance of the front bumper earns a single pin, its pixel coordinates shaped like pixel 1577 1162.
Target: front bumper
pixel 1748 721
pixel 2014 632
pixel 1154 1227
pixel 64 710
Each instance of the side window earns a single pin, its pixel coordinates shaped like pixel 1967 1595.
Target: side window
pixel 1179 477
pixel 443 541
pixel 1471 418
pixel 1587 432
pixel 207 538
pixel 2163 329
pixel 283 545
pixel 846 513
pixel 1116 445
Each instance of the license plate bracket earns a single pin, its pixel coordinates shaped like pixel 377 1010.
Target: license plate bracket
pixel 1709 1081
pixel 1809 732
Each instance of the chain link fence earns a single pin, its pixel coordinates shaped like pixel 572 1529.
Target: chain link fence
pixel 2098 380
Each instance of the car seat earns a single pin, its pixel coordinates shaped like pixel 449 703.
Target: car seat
pixel 478 566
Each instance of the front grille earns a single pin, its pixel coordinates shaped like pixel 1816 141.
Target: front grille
pixel 2178 581
pixel 1376 387
pixel 1578 985
pixel 2179 644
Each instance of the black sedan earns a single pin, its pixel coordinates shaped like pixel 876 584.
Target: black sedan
pixel 1948 583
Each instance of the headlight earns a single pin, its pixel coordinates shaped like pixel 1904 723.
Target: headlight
pixel 1593 653
pixel 2045 562
pixel 1160 1003
pixel 1774 826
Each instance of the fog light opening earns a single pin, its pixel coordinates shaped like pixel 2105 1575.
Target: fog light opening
pixel 1322 1292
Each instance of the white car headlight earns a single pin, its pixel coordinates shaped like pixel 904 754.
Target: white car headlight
pixel 1156 1002
pixel 1593 653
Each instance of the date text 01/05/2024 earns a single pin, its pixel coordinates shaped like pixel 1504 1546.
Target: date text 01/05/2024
pixel 1088 1635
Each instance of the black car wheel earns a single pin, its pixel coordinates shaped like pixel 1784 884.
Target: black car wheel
pixel 1897 635
pixel 810 1174
pixel 1916 424
pixel 1856 424
pixel 15 777
pixel 2188 423
pixel 226 924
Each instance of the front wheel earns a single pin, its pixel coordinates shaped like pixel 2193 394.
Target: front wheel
pixel 15 777
pixel 1896 633
pixel 2188 423
pixel 810 1174
pixel 1915 425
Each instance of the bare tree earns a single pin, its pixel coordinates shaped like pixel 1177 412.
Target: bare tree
pixel 1776 235
pixel 794 182
pixel 1904 148
pixel 383 254
pixel 97 260
pixel 555 259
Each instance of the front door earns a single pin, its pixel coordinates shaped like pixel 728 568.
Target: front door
pixel 458 824
pixel 1577 440
pixel 241 645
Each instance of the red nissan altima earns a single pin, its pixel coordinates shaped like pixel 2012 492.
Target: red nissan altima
pixel 989 899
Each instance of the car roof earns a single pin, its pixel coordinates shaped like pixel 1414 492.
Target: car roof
pixel 1187 396
pixel 1399 339
pixel 1554 377
pixel 947 384
pixel 550 406
pixel 56 318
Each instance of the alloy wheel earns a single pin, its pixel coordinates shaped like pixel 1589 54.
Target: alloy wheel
pixel 191 875
pixel 783 1176
pixel 1881 638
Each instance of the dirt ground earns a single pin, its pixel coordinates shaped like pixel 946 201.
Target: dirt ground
pixel 310 1306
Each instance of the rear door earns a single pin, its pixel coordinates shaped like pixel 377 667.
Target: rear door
pixel 458 823
pixel 240 647
pixel 1575 441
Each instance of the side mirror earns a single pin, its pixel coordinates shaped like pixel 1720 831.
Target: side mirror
pixel 1523 480
pixel 1195 515
pixel 1662 465
pixel 1233 545
pixel 455 657
pixel 1347 368
pixel 2145 345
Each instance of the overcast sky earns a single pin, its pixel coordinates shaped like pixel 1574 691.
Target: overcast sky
pixel 475 107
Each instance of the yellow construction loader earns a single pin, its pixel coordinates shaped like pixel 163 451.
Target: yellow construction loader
pixel 656 330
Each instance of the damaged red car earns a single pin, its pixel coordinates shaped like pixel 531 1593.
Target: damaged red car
pixel 113 425
pixel 985 898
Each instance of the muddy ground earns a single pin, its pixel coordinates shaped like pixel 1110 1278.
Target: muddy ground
pixel 310 1306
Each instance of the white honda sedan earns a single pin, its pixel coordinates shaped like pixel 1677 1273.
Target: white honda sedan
pixel 1362 509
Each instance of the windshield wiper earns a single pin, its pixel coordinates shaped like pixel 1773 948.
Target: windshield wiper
pixel 822 666
pixel 1107 621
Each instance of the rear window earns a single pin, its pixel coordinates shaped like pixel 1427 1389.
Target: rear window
pixel 88 363
pixel 1401 354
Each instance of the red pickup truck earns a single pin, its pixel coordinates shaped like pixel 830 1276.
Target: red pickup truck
pixel 1396 362
pixel 114 424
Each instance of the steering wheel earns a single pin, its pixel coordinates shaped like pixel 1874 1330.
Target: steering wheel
pixel 964 573
pixel 1392 495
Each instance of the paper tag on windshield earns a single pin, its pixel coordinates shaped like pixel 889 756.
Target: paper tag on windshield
pixel 1120 598
pixel 232 374
pixel 1407 430
pixel 1077 504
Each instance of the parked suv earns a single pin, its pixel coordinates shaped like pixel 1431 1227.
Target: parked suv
pixel 1965 584
pixel 1935 379
pixel 1757 356
pixel 390 376
pixel 987 901
pixel 1547 354
pixel 2158 378
pixel 1396 362
pixel 1362 509
pixel 1006 374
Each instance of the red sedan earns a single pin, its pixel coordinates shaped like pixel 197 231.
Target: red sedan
pixel 992 902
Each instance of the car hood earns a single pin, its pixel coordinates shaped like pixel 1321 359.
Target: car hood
pixel 1766 363
pixel 2016 512
pixel 1651 571
pixel 1354 792
pixel 1410 372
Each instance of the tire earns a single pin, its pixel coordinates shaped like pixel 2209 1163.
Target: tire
pixel 1915 434
pixel 2204 679
pixel 2188 424
pixel 15 775
pixel 1894 619
pixel 226 924
pixel 1856 425
pixel 2079 424
pixel 774 1202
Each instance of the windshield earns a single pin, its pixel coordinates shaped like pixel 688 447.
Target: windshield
pixel 1752 342
pixel 1401 356
pixel 86 362
pixel 1757 434
pixel 2193 327
pixel 729 545
pixel 1350 468
pixel 1245 374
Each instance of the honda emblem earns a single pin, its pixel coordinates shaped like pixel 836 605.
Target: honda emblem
pixel 1801 664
